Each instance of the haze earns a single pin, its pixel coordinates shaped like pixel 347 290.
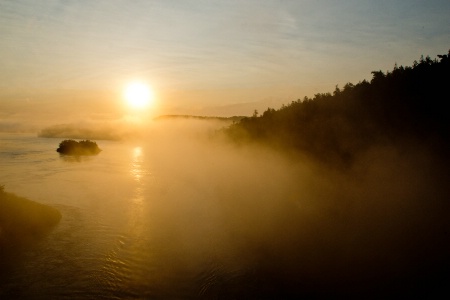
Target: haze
pixel 219 58
pixel 340 195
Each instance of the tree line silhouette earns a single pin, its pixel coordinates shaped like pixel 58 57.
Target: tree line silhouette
pixel 405 104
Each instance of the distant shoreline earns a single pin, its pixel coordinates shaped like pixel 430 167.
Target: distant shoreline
pixel 206 118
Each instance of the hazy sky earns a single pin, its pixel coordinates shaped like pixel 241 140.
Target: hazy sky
pixel 206 57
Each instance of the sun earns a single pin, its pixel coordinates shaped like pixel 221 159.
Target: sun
pixel 138 95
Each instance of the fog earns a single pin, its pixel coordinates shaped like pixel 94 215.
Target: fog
pixel 103 130
pixel 247 221
pixel 299 227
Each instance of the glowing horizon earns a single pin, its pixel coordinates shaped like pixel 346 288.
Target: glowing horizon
pixel 204 58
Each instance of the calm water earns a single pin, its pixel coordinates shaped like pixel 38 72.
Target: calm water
pixel 139 221
pixel 177 217
pixel 100 244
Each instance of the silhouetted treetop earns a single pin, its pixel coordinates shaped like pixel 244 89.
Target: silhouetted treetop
pixel 405 103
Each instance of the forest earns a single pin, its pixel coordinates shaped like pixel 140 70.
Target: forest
pixel 405 106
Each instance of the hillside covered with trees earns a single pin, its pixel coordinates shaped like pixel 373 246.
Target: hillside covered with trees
pixel 403 106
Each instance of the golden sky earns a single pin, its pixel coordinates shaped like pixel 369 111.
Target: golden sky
pixel 203 57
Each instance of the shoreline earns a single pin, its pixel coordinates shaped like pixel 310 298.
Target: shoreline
pixel 23 221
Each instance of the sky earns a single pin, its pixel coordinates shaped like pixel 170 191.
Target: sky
pixel 223 58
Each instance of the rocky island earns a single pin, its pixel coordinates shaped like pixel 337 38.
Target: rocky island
pixel 72 147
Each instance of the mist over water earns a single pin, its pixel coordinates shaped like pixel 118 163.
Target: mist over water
pixel 178 214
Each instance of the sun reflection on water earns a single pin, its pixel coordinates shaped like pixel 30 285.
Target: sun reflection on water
pixel 137 170
pixel 124 259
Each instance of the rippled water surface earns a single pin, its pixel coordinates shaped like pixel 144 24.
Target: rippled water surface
pixel 136 223
pixel 105 245
pixel 176 216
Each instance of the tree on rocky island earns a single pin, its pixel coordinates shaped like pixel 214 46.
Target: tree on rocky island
pixel 72 147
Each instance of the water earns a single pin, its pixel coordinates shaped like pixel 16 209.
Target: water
pixel 138 221
pixel 177 216
pixel 103 247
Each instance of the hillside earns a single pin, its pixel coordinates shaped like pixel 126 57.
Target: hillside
pixel 23 221
pixel 403 106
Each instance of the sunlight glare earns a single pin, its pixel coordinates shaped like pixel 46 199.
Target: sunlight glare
pixel 138 95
